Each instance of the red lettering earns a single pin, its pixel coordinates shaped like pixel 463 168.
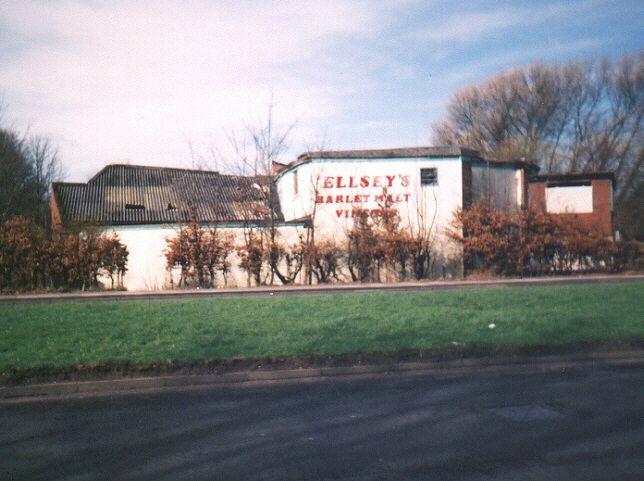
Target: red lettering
pixel 338 182
pixel 390 180
pixel 376 182
pixel 328 182
pixel 339 213
pixel 351 184
pixel 329 199
pixel 339 199
pixel 404 179
pixel 407 197
pixel 364 181
pixel 319 199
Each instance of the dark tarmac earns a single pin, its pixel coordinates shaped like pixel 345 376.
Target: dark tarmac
pixel 583 423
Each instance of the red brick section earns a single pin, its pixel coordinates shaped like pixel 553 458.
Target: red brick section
pixel 56 220
pixel 537 195
pixel 602 212
pixel 602 215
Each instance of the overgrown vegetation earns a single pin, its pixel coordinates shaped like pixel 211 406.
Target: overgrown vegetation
pixel 532 242
pixel 200 253
pixel 376 247
pixel 31 260
pixel 70 334
pixel 377 244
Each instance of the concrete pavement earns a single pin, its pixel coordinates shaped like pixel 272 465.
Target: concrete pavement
pixel 498 363
pixel 260 291
pixel 575 423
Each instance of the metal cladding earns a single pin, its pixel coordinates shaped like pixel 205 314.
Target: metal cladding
pixel 129 194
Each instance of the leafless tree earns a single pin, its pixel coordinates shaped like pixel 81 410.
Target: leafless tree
pixel 580 116
pixel 421 228
pixel 254 150
pixel 311 250
pixel 46 168
pixel 28 165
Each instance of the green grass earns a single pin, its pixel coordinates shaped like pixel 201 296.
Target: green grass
pixel 68 334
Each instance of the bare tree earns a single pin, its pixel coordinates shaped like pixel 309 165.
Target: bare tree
pixel 16 194
pixel 46 168
pixel 574 117
pixel 27 168
pixel 422 234
pixel 315 265
pixel 255 150
pixel 28 165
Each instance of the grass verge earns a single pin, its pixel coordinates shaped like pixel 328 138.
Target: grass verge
pixel 140 333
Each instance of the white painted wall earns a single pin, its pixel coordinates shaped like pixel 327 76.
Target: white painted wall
pixel 342 186
pixel 146 265
pixel 333 187
pixel 577 199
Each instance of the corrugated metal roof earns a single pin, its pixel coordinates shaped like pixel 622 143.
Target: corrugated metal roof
pixel 130 194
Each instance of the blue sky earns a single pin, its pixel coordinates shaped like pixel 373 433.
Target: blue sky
pixel 137 81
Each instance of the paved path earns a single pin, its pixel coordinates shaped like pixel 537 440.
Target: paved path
pixel 584 423
pixel 315 289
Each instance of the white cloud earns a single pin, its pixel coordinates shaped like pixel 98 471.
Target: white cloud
pixel 133 80
pixel 472 26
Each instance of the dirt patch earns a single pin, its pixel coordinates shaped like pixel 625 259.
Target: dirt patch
pixel 119 370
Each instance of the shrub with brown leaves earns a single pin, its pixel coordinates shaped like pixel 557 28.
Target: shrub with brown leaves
pixel 531 242
pixel 30 261
pixel 200 253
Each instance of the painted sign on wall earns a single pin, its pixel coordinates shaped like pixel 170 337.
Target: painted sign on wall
pixel 361 190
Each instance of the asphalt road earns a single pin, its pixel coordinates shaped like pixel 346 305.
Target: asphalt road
pixel 580 424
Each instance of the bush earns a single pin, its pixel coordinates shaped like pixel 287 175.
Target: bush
pixel 377 240
pixel 23 255
pixel 30 261
pixel 362 250
pixel 325 260
pixel 253 254
pixel 532 242
pixel 200 253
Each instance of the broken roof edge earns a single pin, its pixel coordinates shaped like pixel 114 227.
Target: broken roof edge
pixel 466 153
pixel 389 153
pixel 578 176
pixel 530 167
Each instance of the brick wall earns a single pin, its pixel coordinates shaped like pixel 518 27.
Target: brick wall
pixel 602 214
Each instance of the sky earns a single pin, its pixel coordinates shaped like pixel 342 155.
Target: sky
pixel 166 83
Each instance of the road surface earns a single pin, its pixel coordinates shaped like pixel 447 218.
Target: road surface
pixel 584 423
